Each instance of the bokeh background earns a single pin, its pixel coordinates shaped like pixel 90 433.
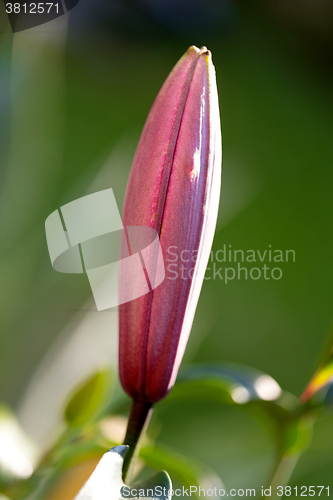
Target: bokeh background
pixel 74 95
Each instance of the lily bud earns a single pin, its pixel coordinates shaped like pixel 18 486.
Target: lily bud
pixel 174 188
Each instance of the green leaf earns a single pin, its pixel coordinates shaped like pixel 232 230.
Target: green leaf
pixel 90 399
pixel 160 480
pixel 188 472
pixel 259 393
pixel 106 482
pixel 226 383
pixel 286 420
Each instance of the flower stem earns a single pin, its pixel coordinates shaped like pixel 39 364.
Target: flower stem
pixel 137 424
pixel 282 472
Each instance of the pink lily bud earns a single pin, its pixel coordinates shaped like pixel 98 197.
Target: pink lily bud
pixel 174 188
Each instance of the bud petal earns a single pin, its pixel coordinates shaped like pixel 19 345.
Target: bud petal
pixel 174 188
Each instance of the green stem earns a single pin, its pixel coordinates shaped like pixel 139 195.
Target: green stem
pixel 282 471
pixel 137 424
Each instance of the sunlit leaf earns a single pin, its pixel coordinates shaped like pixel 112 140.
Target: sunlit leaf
pixel 17 453
pixel 322 379
pixel 106 482
pixel 318 389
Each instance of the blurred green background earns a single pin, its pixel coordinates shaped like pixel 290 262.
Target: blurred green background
pixel 74 95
